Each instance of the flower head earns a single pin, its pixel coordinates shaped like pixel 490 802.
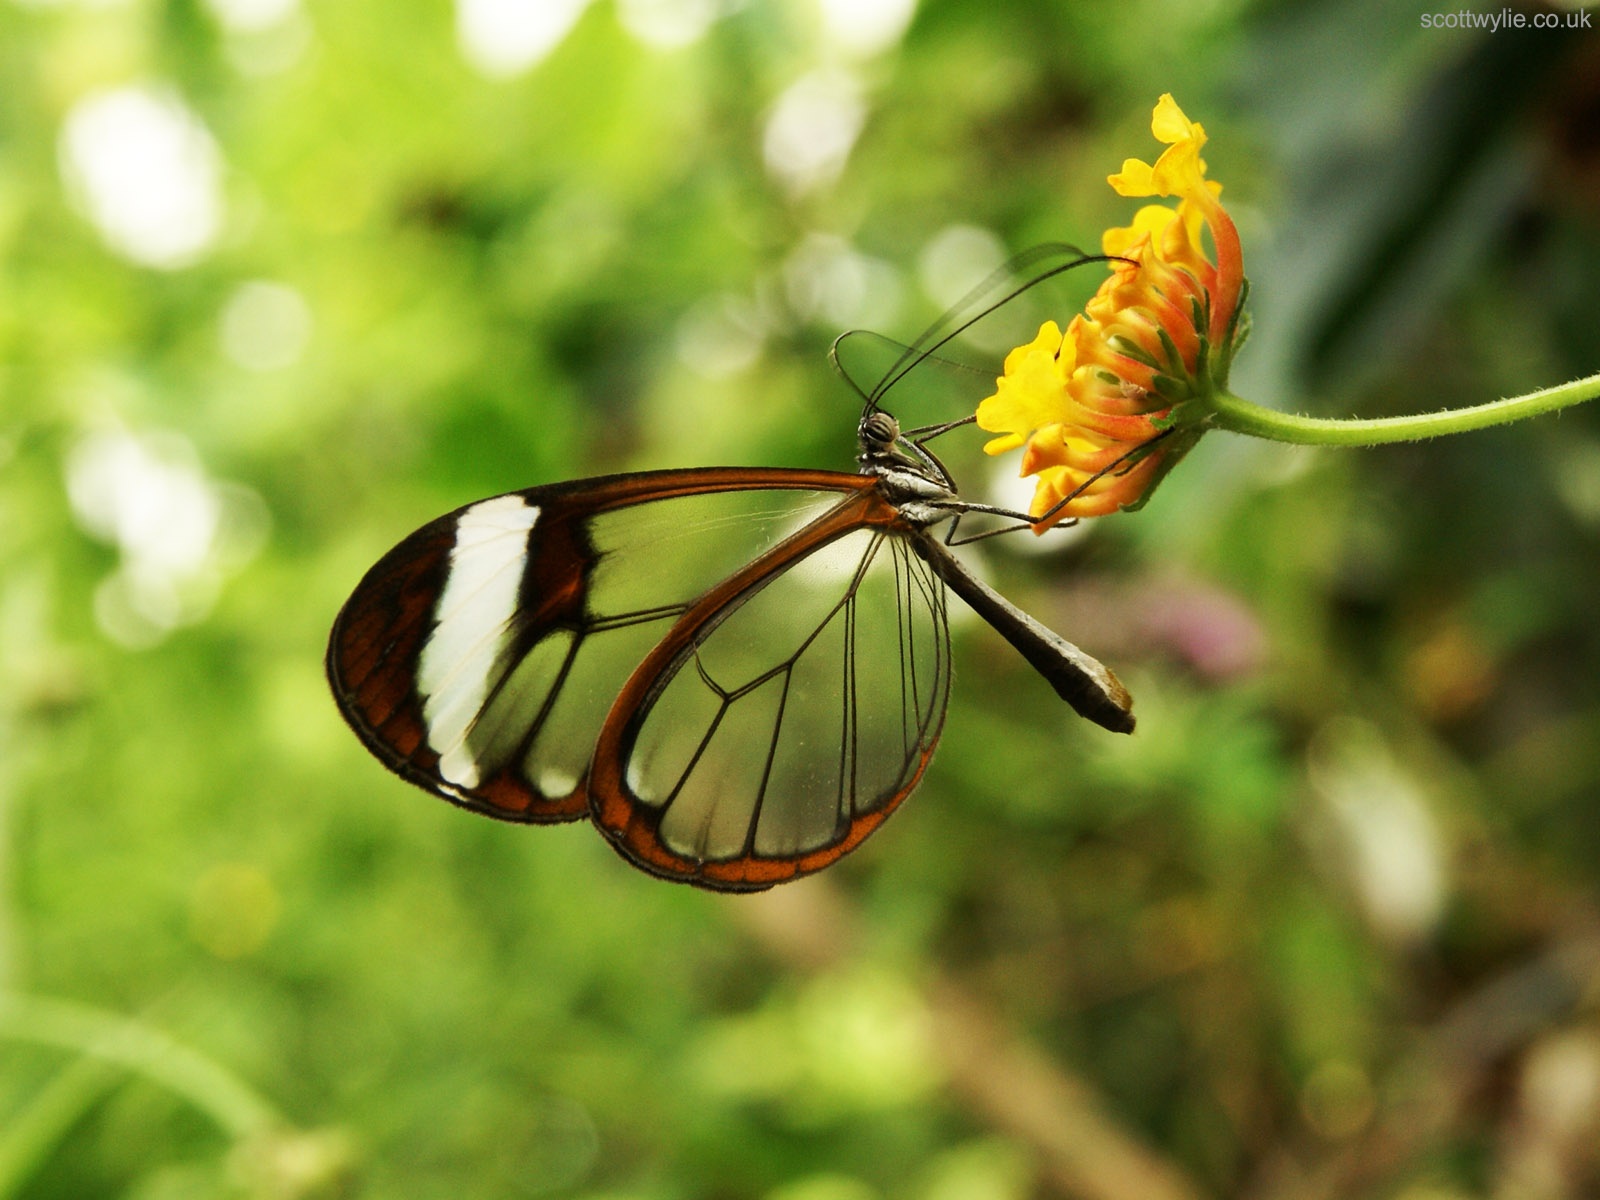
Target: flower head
pixel 1094 406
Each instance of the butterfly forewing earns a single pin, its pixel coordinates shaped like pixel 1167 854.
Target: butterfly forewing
pixel 480 657
pixel 786 714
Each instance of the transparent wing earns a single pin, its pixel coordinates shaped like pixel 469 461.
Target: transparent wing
pixel 479 658
pixel 786 715
pixel 968 343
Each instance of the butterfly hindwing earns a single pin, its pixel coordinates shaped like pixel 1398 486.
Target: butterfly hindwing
pixel 786 713
pixel 480 656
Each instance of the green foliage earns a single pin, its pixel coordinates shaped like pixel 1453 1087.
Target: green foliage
pixel 1335 896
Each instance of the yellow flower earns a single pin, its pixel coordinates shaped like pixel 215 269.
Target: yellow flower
pixel 1094 406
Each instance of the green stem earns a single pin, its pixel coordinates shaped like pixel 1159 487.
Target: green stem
pixel 210 1087
pixel 1243 417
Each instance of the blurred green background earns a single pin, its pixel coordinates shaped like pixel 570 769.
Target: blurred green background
pixel 281 280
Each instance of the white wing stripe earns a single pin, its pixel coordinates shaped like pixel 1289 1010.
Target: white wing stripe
pixel 458 663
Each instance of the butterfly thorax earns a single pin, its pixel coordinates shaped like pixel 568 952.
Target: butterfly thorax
pixel 909 477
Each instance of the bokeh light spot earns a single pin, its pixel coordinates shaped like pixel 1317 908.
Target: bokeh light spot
pixel 265 326
pixel 234 909
pixel 812 129
pixel 507 37
pixel 146 173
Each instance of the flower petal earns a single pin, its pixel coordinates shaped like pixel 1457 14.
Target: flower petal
pixel 1137 178
pixel 1169 124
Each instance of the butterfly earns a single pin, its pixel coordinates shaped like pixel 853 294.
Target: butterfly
pixel 737 673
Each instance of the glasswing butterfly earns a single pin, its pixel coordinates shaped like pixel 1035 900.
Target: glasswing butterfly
pixel 737 673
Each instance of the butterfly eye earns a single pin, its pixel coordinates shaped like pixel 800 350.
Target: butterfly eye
pixel 879 430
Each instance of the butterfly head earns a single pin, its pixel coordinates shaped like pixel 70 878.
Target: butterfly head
pixel 877 434
pixel 910 475
pixel 882 451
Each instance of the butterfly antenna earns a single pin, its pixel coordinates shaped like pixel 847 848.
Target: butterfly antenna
pixel 973 307
pixel 870 404
pixel 931 340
